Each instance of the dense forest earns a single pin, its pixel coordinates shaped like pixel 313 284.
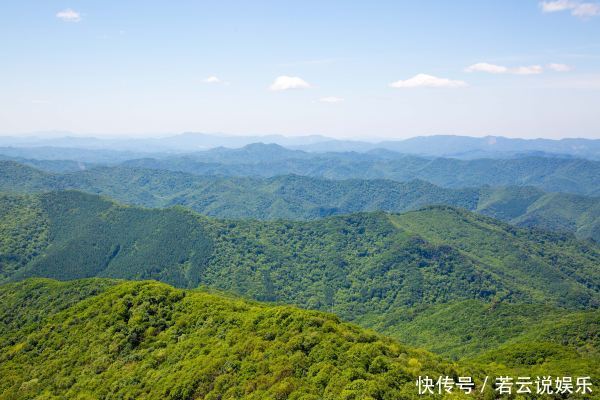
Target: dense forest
pixel 296 197
pixel 107 339
pixel 149 340
pixel 493 267
pixel 551 174
pixel 406 275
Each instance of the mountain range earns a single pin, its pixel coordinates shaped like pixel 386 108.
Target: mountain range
pixel 396 273
pixel 142 270
pixel 303 198
pixel 429 146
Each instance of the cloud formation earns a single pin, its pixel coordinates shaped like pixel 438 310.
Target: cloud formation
pixel 331 99
pixel 577 8
pixel 559 67
pixel 500 69
pixel 429 81
pixel 212 79
pixel 288 82
pixel 69 15
pixel 486 67
pixel 529 70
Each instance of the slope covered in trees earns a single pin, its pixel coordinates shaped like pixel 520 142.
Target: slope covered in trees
pixel 550 174
pixel 304 198
pixel 147 340
pixel 387 271
pixel 103 338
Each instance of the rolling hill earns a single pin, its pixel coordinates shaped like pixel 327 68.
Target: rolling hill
pixel 147 340
pixel 305 198
pixel 551 174
pixel 386 271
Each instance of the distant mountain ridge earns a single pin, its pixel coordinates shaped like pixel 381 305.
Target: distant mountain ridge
pixel 464 147
pixel 551 174
pixel 567 175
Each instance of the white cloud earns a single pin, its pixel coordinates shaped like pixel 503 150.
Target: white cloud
pixel 331 99
pixel 557 5
pixel 288 82
pixel 500 69
pixel 577 8
pixel 424 80
pixel 485 67
pixel 559 67
pixel 586 10
pixel 215 80
pixel 212 79
pixel 529 70
pixel 69 15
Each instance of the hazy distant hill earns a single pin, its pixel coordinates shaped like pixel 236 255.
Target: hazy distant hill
pixel 181 143
pixel 430 146
pixel 550 174
pixel 387 271
pixel 471 147
pixel 58 166
pixel 72 154
pixel 297 197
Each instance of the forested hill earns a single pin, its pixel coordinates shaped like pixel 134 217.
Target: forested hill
pixel 304 198
pixel 550 174
pixel 146 340
pixel 388 271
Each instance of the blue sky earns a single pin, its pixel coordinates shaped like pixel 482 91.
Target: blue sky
pixel 370 69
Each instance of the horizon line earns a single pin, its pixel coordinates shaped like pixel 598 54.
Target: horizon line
pixel 60 134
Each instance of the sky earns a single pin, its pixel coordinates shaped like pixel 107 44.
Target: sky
pixel 345 69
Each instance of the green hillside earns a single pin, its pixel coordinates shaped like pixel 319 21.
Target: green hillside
pixel 499 324
pixel 305 198
pixel 23 232
pixel 89 236
pixel 550 174
pixel 392 272
pixel 147 340
pixel 566 212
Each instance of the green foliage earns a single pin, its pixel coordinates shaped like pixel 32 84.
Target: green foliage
pixel 396 273
pixel 23 232
pixel 564 212
pixel 26 304
pixel 549 174
pixel 94 237
pixel 305 198
pixel 481 326
pixel 559 342
pixel 146 340
pixel 544 264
